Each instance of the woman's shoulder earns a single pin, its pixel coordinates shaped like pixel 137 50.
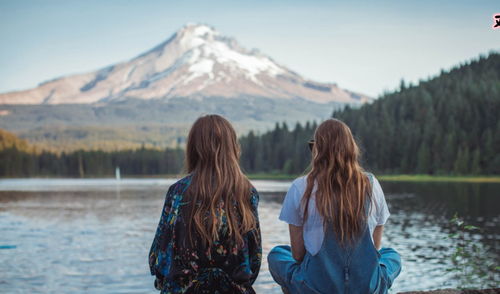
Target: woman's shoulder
pixel 372 178
pixel 253 190
pixel 297 189
pixel 180 186
pixel 300 182
pixel 376 189
pixel 254 196
pixel 370 175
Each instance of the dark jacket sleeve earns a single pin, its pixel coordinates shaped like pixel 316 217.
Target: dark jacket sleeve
pixel 160 234
pixel 254 240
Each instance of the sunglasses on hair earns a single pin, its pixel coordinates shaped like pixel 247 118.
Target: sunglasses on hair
pixel 311 144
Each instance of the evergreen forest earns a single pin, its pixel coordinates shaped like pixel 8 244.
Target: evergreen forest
pixel 447 125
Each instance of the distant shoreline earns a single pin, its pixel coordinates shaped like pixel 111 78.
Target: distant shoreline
pixel 397 178
pixel 439 178
pixel 286 177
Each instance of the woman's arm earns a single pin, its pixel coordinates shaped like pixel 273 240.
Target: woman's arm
pixel 254 240
pixel 377 236
pixel 154 252
pixel 297 242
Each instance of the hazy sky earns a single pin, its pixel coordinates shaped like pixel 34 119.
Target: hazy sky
pixel 365 46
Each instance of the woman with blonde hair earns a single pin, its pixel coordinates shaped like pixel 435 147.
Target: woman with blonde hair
pixel 208 238
pixel 336 215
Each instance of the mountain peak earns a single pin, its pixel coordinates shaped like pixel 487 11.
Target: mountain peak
pixel 197 29
pixel 194 35
pixel 196 61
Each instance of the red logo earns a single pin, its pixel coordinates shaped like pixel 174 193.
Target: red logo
pixel 496 21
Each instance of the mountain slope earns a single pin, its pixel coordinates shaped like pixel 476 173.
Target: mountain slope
pixel 153 98
pixel 449 124
pixel 9 140
pixel 195 62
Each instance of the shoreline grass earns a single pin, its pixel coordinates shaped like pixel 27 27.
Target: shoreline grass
pixel 440 178
pixel 397 178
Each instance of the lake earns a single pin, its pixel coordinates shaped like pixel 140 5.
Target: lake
pixel 94 235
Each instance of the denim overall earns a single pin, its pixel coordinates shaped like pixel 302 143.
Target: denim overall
pixel 335 269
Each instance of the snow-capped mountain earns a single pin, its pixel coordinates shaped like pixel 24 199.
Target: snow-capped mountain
pixel 196 62
pixel 154 98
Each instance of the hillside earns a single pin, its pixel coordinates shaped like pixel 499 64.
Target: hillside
pixel 450 123
pixel 19 159
pixel 446 125
pixel 9 140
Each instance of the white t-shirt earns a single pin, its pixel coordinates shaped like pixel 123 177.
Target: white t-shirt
pixel 292 213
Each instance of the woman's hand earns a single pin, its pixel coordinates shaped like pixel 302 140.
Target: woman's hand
pixel 297 243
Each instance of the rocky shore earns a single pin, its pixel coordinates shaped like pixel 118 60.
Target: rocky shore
pixel 454 291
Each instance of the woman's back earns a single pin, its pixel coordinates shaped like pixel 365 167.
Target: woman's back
pixel 331 225
pixel 181 260
pixel 330 265
pixel 314 232
pixel 208 238
pixel 342 269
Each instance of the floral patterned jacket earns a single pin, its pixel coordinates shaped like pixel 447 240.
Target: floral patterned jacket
pixel 224 268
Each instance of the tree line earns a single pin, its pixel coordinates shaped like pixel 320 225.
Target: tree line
pixel 83 163
pixel 280 150
pixel 446 125
pixel 449 124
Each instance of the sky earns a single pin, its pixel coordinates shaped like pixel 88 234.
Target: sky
pixel 363 46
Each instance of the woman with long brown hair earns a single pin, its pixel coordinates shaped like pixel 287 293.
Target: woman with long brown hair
pixel 208 239
pixel 336 215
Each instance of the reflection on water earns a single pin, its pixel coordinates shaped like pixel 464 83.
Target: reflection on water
pixel 94 236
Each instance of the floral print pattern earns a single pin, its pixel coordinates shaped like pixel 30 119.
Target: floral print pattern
pixel 183 268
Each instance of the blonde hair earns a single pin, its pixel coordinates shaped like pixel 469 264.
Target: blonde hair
pixel 342 185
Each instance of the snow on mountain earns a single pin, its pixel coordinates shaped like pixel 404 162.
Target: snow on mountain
pixel 196 62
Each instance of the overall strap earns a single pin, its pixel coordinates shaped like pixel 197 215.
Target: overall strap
pixel 368 203
pixel 347 264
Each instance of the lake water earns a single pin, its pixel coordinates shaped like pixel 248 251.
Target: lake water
pixel 94 235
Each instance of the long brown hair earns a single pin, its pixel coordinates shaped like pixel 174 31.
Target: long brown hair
pixel 342 186
pixel 218 185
